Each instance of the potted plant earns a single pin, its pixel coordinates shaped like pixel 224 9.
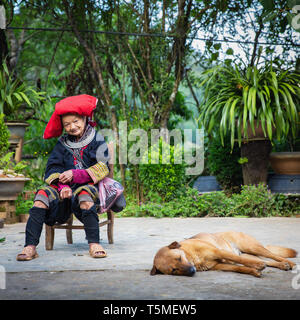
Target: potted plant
pixel 285 162
pixel 18 103
pixel 285 158
pixel 258 101
pixel 12 180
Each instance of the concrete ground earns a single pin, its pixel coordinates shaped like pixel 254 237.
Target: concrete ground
pixel 69 273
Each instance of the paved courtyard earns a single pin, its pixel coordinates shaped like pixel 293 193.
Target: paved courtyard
pixel 69 273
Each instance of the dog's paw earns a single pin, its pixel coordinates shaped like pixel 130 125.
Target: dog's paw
pixel 291 264
pixel 259 265
pixel 256 273
pixel 284 266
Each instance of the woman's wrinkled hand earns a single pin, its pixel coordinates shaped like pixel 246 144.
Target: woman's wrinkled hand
pixel 66 177
pixel 65 193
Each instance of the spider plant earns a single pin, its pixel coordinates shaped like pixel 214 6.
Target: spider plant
pixel 15 96
pixel 235 99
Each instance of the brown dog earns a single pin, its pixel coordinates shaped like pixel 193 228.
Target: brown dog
pixel 227 251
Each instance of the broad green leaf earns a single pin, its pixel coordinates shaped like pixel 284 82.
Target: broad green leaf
pixel 17 95
pixel 25 98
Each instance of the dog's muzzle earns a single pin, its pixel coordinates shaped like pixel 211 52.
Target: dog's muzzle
pixel 191 271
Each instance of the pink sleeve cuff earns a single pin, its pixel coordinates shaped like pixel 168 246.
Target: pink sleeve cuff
pixel 61 186
pixel 80 176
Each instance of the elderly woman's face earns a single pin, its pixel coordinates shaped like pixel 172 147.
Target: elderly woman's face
pixel 74 124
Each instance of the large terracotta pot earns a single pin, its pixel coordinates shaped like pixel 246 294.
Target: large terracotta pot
pixel 259 133
pixel 285 162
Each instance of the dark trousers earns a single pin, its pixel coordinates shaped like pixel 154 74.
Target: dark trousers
pixel 34 226
pixel 39 216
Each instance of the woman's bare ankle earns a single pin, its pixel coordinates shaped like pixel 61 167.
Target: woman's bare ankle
pixel 92 243
pixel 31 245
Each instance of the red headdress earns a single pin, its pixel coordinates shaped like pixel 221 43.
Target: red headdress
pixel 83 105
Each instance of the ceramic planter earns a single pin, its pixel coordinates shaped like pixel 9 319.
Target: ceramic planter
pixel 287 163
pixel 10 187
pixel 206 184
pixel 259 133
pixel 284 183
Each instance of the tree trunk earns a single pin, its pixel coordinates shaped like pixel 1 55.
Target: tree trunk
pixel 3 46
pixel 105 89
pixel 255 171
pixel 3 43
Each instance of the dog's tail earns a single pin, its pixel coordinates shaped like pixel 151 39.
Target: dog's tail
pixel 283 252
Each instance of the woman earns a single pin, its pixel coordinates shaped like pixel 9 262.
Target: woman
pixel 73 171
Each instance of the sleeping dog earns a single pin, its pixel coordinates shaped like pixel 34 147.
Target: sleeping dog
pixel 226 251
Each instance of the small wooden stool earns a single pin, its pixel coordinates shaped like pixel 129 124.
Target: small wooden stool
pixel 68 226
pixel 50 230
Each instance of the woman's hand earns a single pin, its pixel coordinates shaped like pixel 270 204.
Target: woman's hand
pixel 65 193
pixel 66 177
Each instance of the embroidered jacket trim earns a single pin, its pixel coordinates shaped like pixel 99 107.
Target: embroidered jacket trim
pixel 98 171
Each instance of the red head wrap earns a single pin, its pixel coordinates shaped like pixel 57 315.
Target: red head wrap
pixel 82 105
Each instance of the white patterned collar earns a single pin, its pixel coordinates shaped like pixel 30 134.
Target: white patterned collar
pixel 86 139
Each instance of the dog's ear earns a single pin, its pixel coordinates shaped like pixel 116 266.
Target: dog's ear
pixel 174 245
pixel 153 271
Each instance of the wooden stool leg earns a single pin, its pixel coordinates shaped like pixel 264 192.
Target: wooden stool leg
pixel 69 230
pixel 110 227
pixel 69 236
pixel 49 238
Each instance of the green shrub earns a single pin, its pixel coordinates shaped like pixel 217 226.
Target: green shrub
pixel 188 204
pixel 287 204
pixel 23 206
pixel 214 204
pixel 9 166
pixel 222 162
pixel 253 201
pixel 165 178
pixel 258 201
pixel 35 171
pixel 34 141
